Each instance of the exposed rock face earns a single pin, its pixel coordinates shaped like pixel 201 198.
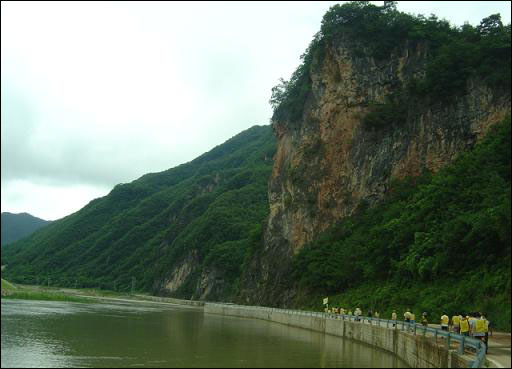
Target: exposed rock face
pixel 211 286
pixel 181 273
pixel 327 163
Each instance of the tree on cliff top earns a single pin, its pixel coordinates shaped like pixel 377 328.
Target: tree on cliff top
pixel 455 53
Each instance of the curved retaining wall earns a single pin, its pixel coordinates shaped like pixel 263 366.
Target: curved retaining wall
pixel 415 350
pixel 171 300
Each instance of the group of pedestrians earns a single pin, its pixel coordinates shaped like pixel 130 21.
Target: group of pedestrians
pixel 472 324
pixel 357 313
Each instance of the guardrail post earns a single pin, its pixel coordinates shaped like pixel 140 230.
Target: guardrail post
pixel 435 335
pixel 461 346
pixel 448 338
pixel 481 355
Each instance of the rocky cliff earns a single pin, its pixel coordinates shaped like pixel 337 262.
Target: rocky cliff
pixel 328 162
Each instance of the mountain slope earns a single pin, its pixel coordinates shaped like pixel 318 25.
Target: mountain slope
pixel 200 214
pixel 17 226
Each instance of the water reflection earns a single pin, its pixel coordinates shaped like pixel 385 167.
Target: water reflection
pixel 54 334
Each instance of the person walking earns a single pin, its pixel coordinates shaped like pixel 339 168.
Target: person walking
pixel 472 323
pixel 486 331
pixel 479 328
pixel 444 322
pixel 407 318
pixel 393 317
pixel 456 322
pixel 464 325
pixel 413 321
pixel 358 314
pixel 424 321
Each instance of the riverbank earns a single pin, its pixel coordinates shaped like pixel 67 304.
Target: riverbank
pixel 7 286
pixel 31 292
pixel 12 291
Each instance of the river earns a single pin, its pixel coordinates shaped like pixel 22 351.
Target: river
pixel 63 334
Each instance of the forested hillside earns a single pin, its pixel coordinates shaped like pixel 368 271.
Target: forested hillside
pixel 16 226
pixel 141 230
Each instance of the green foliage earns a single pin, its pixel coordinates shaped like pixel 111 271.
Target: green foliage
pixel 145 228
pixel 389 114
pixel 289 97
pixel 450 295
pixel 44 296
pixel 6 286
pixel 455 54
pixel 451 224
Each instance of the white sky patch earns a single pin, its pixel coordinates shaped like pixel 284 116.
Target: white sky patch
pixel 99 93
pixel 56 197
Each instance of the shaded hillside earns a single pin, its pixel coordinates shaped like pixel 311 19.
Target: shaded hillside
pixel 202 211
pixel 17 226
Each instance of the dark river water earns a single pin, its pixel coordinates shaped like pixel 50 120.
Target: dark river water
pixel 62 334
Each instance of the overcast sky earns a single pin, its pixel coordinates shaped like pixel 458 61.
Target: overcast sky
pixel 97 93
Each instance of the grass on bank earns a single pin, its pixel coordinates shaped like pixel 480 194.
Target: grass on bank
pixel 43 293
pixel 6 286
pixel 44 296
pixel 10 291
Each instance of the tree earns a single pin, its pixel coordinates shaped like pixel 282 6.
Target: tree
pixel 389 5
pixel 490 25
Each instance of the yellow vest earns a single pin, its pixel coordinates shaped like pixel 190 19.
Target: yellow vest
pixel 480 326
pixel 444 319
pixel 412 316
pixel 464 326
pixel 455 320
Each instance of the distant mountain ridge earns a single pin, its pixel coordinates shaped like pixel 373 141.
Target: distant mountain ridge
pixel 17 226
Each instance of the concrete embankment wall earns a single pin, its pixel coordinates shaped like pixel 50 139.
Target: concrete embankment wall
pixel 171 300
pixel 415 350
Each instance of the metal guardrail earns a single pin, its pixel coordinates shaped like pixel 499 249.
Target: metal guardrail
pixel 415 328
